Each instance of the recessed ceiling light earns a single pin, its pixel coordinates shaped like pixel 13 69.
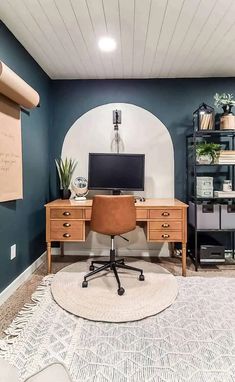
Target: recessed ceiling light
pixel 107 44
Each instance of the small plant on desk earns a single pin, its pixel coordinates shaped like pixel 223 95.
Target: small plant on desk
pixel 65 170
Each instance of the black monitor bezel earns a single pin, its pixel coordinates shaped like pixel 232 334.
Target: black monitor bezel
pixel 111 188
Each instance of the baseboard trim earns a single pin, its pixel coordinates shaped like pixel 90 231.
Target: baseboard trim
pixel 10 289
pixel 105 252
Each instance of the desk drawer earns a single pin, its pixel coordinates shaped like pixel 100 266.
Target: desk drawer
pixel 165 225
pixel 165 236
pixel 165 213
pixel 65 230
pixel 141 214
pixel 66 213
pixel 88 213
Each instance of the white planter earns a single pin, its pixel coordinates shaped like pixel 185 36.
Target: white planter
pixel 204 159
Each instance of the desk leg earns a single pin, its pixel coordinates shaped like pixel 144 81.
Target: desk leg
pixel 62 249
pixel 49 257
pixel 184 253
pixel 171 247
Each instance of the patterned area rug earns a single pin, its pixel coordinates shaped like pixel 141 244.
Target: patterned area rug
pixel 192 340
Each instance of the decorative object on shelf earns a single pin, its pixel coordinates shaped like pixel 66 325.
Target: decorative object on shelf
pixel 204 186
pixel 206 153
pixel 226 101
pixel 80 188
pixel 204 117
pixel 65 170
pixel 227 185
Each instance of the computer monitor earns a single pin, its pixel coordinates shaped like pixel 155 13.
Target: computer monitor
pixel 116 172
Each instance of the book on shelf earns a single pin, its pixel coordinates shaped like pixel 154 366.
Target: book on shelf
pixel 225 157
pixel 224 194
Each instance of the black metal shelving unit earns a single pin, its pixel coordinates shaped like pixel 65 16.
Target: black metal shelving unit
pixel 193 169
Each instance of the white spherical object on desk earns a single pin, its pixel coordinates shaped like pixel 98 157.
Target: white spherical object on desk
pixel 80 188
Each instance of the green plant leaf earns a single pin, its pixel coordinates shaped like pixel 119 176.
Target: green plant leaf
pixel 65 171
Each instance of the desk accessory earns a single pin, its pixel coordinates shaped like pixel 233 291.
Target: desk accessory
pixel 139 198
pixel 80 187
pixel 65 170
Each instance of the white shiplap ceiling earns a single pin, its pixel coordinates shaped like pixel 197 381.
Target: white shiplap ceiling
pixel 155 38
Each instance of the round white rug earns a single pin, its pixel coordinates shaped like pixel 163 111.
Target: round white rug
pixel 100 301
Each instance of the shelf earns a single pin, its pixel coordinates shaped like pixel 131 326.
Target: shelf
pixel 212 230
pixel 214 164
pixel 212 198
pixel 228 261
pixel 202 133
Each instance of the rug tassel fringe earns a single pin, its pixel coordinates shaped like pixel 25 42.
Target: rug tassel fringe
pixel 22 318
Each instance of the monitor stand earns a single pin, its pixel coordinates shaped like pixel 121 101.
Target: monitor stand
pixel 116 192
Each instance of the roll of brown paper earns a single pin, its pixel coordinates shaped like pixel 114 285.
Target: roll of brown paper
pixel 13 87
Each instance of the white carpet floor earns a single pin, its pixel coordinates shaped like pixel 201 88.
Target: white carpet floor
pixel 192 340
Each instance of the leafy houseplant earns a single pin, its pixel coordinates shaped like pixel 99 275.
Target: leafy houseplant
pixel 65 170
pixel 226 101
pixel 207 152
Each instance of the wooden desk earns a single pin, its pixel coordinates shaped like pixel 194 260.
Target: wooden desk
pixel 165 221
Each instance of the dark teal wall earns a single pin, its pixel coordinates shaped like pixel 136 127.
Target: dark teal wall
pixel 172 101
pixel 22 222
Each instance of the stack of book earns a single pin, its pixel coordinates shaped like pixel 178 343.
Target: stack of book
pixel 226 157
pixel 224 194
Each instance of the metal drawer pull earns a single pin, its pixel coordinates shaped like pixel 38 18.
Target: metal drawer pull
pixel 165 236
pixel 165 225
pixel 66 225
pixel 165 214
pixel 66 213
pixel 66 235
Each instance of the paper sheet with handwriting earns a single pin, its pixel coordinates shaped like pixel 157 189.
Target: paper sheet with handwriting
pixel 10 151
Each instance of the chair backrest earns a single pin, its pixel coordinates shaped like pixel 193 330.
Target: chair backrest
pixel 113 215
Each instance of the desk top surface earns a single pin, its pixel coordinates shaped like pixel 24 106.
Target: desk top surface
pixel 149 203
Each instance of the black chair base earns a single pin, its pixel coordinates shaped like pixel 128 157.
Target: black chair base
pixel 111 264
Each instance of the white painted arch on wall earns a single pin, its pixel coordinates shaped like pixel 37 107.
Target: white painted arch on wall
pixel 141 132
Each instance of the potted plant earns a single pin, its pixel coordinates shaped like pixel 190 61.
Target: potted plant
pixel 226 101
pixel 65 170
pixel 206 153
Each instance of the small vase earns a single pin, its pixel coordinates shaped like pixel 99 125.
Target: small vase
pixel 65 193
pixel 204 159
pixel 227 109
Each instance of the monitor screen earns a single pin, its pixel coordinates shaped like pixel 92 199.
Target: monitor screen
pixel 116 172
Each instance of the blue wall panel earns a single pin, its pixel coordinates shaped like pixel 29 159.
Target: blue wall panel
pixel 22 222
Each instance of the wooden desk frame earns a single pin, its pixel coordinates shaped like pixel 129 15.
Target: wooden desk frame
pixel 165 220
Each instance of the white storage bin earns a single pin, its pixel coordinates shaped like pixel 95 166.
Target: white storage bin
pixel 227 216
pixel 208 215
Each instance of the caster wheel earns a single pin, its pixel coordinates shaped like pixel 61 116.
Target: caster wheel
pixel 141 277
pixel 121 291
pixel 84 284
pixel 91 268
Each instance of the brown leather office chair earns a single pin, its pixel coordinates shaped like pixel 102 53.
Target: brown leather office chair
pixel 112 215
